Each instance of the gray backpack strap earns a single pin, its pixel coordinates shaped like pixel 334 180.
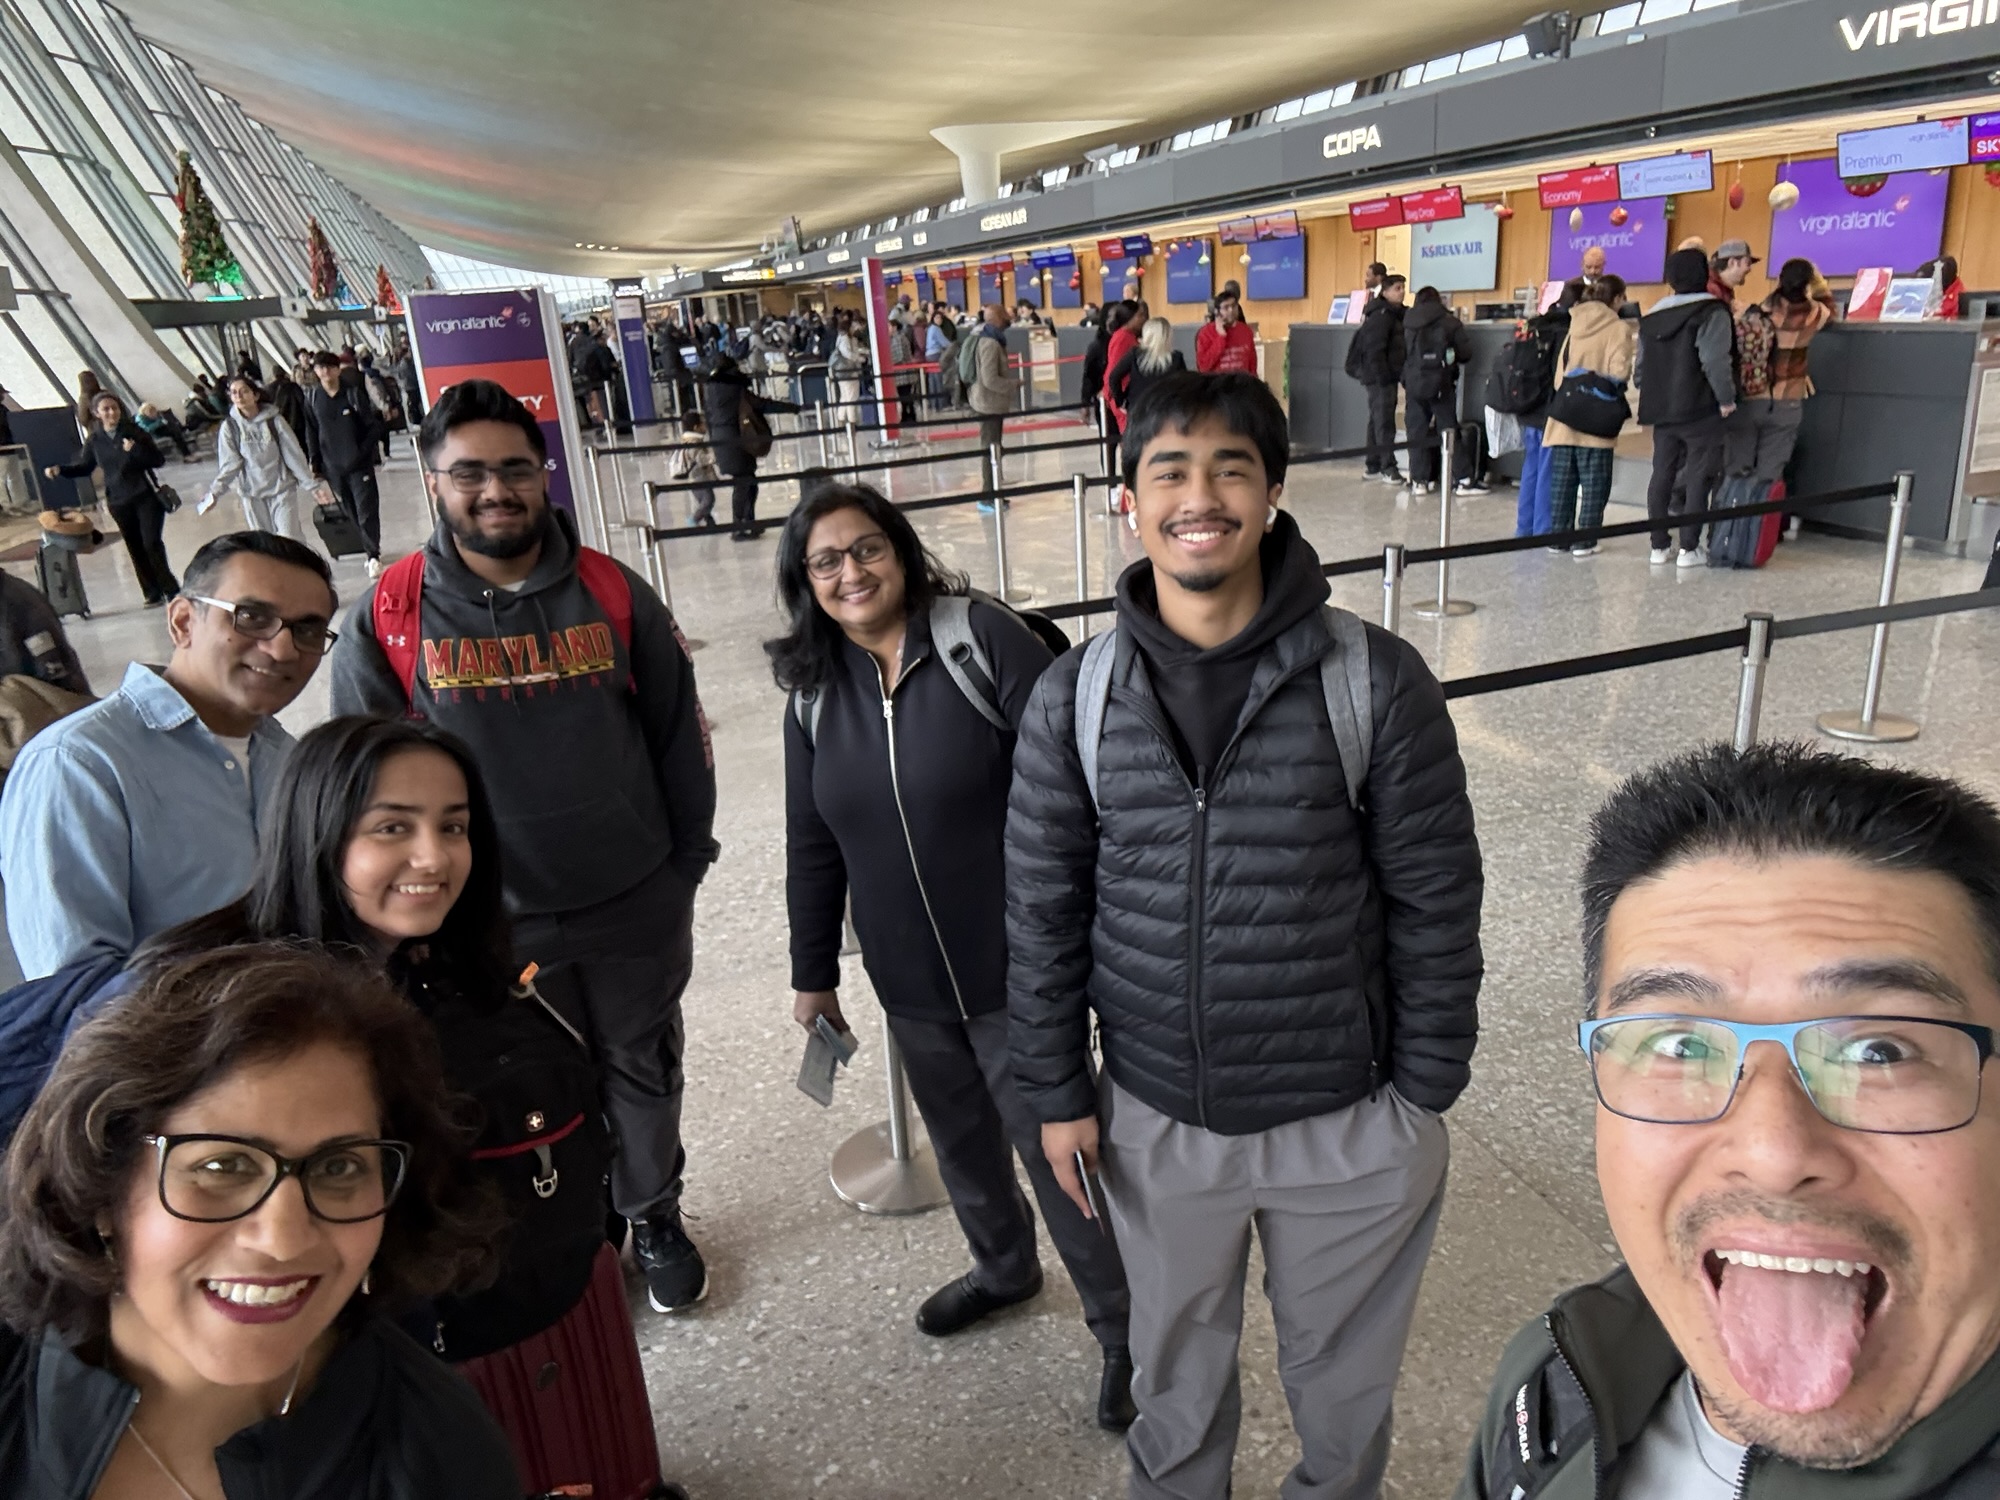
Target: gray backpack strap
pixel 806 704
pixel 1093 695
pixel 1350 698
pixel 965 659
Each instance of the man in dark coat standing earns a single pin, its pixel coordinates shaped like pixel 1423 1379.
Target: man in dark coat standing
pixel 1375 358
pixel 343 439
pixel 724 399
pixel 1269 898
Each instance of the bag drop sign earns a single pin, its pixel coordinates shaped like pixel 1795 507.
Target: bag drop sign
pixel 1363 138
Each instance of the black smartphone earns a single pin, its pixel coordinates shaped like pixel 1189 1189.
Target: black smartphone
pixel 1093 1192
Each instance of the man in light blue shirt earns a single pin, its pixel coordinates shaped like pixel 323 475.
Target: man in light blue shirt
pixel 142 810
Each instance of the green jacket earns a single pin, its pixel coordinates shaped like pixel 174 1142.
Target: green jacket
pixel 1575 1390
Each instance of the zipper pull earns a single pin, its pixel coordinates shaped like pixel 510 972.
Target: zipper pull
pixel 1200 800
pixel 888 708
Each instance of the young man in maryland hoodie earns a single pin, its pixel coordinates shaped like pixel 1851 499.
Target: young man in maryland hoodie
pixel 1284 983
pixel 594 751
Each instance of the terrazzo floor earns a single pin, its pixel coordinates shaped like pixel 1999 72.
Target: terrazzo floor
pixel 803 1374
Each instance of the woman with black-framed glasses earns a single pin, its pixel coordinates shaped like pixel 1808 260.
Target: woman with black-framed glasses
pixel 899 746
pixel 231 1181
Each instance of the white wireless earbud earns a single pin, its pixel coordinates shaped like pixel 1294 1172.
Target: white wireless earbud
pixel 1132 519
pixel 1272 519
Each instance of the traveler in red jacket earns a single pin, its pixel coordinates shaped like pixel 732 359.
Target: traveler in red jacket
pixel 1226 345
pixel 1123 337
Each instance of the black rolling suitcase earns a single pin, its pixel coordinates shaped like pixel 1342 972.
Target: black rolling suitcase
pixel 339 531
pixel 61 579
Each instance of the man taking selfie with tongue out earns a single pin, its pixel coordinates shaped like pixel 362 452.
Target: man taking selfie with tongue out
pixel 1793 968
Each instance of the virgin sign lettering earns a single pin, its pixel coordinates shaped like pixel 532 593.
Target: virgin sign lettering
pixel 1578 186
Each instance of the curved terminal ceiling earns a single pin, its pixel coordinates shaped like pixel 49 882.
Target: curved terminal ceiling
pixel 685 132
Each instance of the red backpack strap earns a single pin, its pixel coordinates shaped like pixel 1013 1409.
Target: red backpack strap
pixel 612 590
pixel 397 617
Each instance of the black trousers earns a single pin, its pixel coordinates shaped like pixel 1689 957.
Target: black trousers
pixel 1381 428
pixel 356 491
pixel 1687 462
pixel 743 497
pixel 1424 420
pixel 963 1082
pixel 139 523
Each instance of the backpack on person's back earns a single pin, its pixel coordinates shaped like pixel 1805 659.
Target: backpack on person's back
pixel 1756 352
pixel 967 356
pixel 1431 359
pixel 1521 377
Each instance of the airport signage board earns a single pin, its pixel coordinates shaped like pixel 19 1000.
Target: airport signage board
pixel 1663 176
pixel 1127 247
pixel 1983 136
pixel 513 338
pixel 1376 213
pixel 1895 221
pixel 1457 255
pixel 635 355
pixel 1434 204
pixel 1237 231
pixel 1633 239
pixel 1578 185
pixel 1904 148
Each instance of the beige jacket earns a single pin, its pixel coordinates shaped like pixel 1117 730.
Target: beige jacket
pixel 1598 340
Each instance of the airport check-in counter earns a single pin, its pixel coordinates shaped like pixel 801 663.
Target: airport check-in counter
pixel 1330 410
pixel 1918 396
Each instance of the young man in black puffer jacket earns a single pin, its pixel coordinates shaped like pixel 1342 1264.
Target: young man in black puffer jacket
pixel 1285 982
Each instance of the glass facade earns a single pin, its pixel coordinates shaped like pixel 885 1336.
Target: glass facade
pixel 92 117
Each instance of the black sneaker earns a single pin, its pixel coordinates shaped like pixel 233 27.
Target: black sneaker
pixel 676 1277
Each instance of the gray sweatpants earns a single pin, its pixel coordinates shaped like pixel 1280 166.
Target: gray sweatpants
pixel 1345 1206
pixel 623 965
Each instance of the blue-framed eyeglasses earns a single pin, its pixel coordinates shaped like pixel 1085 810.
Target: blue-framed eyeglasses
pixel 1893 1075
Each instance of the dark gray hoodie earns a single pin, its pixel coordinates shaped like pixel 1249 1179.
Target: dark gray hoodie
pixel 597 758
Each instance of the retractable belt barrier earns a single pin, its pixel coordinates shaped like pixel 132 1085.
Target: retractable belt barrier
pixel 682 487
pixel 621 450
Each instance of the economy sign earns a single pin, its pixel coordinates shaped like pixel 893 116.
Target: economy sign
pixel 1577 186
pixel 513 338
pixel 1663 176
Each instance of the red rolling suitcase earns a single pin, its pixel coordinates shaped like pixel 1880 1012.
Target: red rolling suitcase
pixel 572 1399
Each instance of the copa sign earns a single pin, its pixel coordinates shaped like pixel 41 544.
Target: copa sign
pixel 1369 137
pixel 1013 218
pixel 1937 18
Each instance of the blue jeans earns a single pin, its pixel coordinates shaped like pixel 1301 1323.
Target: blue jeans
pixel 1531 509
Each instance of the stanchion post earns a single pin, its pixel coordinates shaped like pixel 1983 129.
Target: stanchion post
pixel 1392 588
pixel 1446 607
pixel 825 462
pixel 624 500
pixel 597 514
pixel 1078 485
pixel 1869 726
pixel 851 459
pixel 1001 563
pixel 1750 691
pixel 885 1169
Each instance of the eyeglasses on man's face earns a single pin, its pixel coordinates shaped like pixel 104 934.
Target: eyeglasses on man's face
pixel 214 1179
pixel 260 622
pixel 828 561
pixel 1891 1075
pixel 468 476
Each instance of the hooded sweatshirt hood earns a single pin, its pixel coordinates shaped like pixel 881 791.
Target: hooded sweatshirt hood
pixel 1588 319
pixel 1422 315
pixel 1203 689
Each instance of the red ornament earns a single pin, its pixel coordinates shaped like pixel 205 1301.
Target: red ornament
pixel 1864 187
pixel 1735 195
pixel 1993 174
pixel 1503 212
pixel 1618 215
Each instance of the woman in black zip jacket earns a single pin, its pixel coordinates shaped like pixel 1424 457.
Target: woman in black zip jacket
pixel 120 448
pixel 896 793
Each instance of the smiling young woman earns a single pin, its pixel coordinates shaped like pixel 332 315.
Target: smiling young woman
pixel 230 1177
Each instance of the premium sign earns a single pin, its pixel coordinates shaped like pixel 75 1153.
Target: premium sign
pixel 1013 218
pixel 1350 142
pixel 1376 213
pixel 1663 176
pixel 1430 206
pixel 1884 28
pixel 1904 148
pixel 1577 186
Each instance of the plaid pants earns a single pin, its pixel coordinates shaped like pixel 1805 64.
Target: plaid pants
pixel 1570 467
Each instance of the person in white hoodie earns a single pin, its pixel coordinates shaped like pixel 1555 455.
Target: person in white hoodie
pixel 258 455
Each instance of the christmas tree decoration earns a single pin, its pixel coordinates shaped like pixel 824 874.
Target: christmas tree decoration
pixel 1785 195
pixel 1575 219
pixel 1619 215
pixel 1865 187
pixel 205 254
pixel 385 292
pixel 323 274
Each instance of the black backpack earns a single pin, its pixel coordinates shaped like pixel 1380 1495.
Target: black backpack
pixel 543 1143
pixel 1522 377
pixel 1430 360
